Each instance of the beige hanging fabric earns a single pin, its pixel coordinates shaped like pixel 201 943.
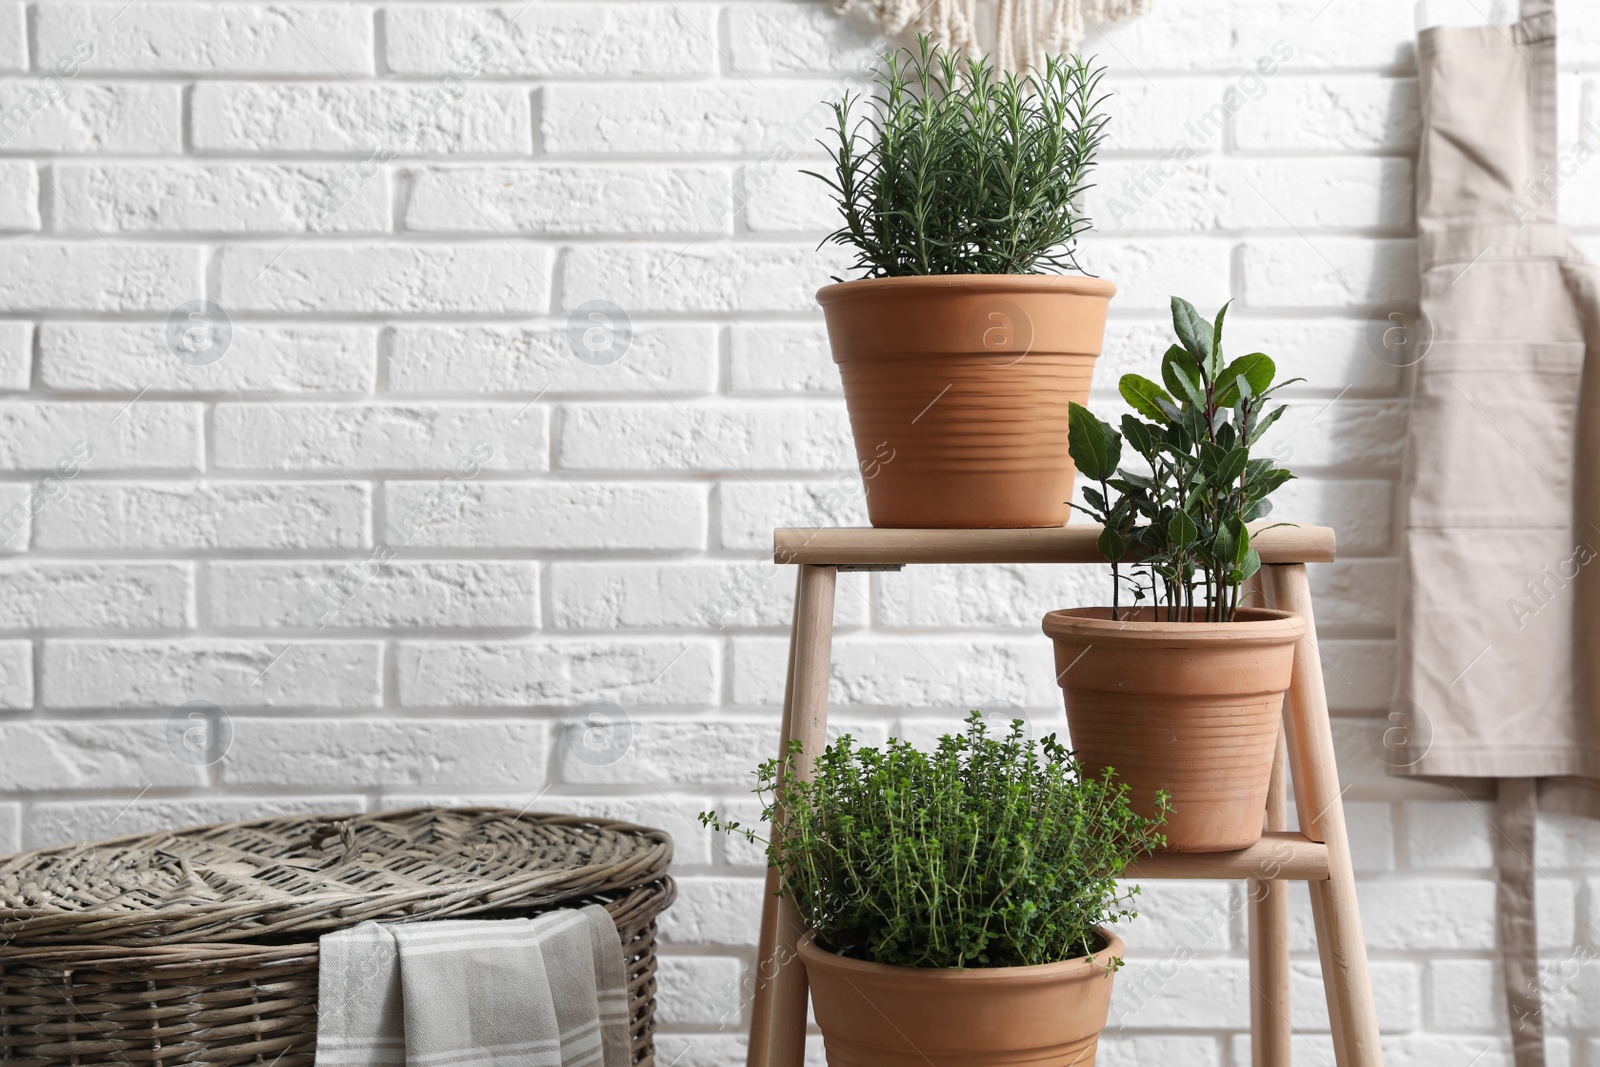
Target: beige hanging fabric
pixel 1025 31
pixel 1501 527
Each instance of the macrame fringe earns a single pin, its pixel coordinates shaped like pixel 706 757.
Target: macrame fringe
pixel 1026 31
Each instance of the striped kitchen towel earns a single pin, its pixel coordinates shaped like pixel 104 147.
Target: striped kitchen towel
pixel 543 992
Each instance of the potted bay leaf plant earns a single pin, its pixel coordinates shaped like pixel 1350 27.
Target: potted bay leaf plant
pixel 1183 687
pixel 958 901
pixel 970 327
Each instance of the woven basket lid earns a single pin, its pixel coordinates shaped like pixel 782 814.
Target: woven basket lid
pixel 276 879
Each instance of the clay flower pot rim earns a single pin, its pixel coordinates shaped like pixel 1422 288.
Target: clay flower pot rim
pixel 865 288
pixel 1078 965
pixel 1251 625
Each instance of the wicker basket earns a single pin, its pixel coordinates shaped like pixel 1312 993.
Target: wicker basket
pixel 200 946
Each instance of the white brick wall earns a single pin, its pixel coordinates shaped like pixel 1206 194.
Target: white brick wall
pixel 399 530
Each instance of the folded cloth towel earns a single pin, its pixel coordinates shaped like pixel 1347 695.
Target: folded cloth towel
pixel 545 992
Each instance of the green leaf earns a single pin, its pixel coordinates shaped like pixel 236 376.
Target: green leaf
pixel 1216 338
pixel 1250 564
pixel 1095 498
pixel 1182 374
pixel 1181 531
pixel 1095 447
pixel 1264 422
pixel 1144 396
pixel 1141 435
pixel 1192 330
pixel 1254 371
pixel 1110 544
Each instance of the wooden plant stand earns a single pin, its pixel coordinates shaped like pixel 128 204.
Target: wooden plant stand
pixel 1318 853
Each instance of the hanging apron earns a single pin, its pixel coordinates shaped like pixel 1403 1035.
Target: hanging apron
pixel 1500 498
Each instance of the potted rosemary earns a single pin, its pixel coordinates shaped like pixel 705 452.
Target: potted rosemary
pixel 970 326
pixel 1184 688
pixel 957 900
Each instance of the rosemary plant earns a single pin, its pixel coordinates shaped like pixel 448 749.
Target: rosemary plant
pixel 987 851
pixel 1184 515
pixel 954 169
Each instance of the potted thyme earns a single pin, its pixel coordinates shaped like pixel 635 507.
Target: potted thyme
pixel 1184 688
pixel 970 326
pixel 957 899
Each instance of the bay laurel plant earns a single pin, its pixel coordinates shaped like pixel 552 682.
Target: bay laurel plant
pixel 949 167
pixel 985 852
pixel 1183 512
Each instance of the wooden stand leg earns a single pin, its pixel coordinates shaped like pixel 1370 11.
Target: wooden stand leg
pixel 1321 815
pixel 1269 942
pixel 766 964
pixel 780 1006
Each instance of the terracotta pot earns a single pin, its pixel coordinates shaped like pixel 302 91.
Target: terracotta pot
pixel 1192 708
pixel 958 388
pixel 876 1015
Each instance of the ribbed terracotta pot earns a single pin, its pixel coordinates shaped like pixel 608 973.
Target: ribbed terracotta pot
pixel 1192 708
pixel 876 1015
pixel 958 387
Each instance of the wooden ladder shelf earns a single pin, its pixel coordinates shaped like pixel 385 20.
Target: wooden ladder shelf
pixel 1318 853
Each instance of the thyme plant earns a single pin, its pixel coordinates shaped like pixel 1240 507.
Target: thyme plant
pixel 1184 514
pixel 951 168
pixel 989 852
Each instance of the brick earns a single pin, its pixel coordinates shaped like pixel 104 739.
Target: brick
pixel 393 279
pixel 749 510
pixel 1468 994
pixel 19 503
pixel 706 1050
pixel 105 357
pixel 38 594
pixel 537 516
pixel 61 822
pixel 1196 916
pixel 362 118
pixel 699 990
pixel 13 36
pixel 576 199
pixel 19 196
pixel 699 278
pixel 1211 194
pixel 1361 511
pixel 1174 993
pixel 538 41
pixel 1356 597
pixel 1436 914
pixel 1328 272
pixel 1568 841
pixel 1165 115
pixel 1117 1050
pixel 1214 35
pixel 44 435
pixel 120 754
pixel 227 38
pixel 1331 432
pixel 676 813
pixel 799 38
pixel 780 118
pixel 987 596
pixel 714 911
pixel 365 753
pixel 558 672
pixel 16 355
pixel 1331 354
pixel 244 198
pixel 1358 741
pixel 1396 994
pixel 688 593
pixel 80 276
pixel 16 674
pixel 669 358
pixel 1148 272
pixel 783 199
pixel 235 674
pixel 780 357
pixel 1370 828
pixel 911 670
pixel 127 118
pixel 715 435
pixel 10 828
pixel 460 438
pixel 1450 833
pixel 364 593
pixel 1333 113
pixel 1358 675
